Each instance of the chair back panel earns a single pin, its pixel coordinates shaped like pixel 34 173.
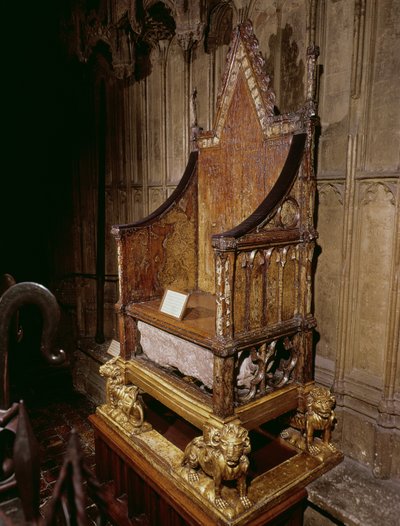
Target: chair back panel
pixel 235 175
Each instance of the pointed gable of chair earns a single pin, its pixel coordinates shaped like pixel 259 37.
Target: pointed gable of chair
pixel 245 68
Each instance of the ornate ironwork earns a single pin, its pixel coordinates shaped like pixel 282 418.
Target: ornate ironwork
pixel 68 503
pixel 14 298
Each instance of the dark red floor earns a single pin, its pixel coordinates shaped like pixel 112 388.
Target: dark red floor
pixel 52 426
pixel 52 420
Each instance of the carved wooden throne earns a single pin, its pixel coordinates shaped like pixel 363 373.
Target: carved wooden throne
pixel 238 235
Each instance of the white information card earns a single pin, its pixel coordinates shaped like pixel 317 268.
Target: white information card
pixel 114 348
pixel 174 303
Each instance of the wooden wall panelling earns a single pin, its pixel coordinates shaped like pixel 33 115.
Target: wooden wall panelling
pixel 86 206
pixel 139 119
pixel 130 150
pixel 155 147
pixel 177 103
pixel 125 153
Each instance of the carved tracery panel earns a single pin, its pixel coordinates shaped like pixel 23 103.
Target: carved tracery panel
pixel 374 243
pixel 266 367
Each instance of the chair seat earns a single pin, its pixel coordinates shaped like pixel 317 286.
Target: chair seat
pixel 197 325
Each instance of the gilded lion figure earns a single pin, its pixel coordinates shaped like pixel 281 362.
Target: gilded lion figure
pixel 319 416
pixel 123 404
pixel 222 455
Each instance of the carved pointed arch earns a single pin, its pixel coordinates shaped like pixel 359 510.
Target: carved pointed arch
pixel 245 67
pixel 219 26
pixel 169 3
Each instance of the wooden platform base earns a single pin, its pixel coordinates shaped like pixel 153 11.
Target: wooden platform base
pixel 145 481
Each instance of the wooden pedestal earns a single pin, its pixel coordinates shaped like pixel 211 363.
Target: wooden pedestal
pixel 153 498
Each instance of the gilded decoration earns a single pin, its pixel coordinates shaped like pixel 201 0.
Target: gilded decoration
pixel 289 213
pixel 319 417
pixel 221 455
pixel 123 402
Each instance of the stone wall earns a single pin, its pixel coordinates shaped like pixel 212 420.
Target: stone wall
pixel 357 288
pixel 150 109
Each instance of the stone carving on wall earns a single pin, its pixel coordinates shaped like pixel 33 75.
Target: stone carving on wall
pixel 375 212
pixel 324 189
pixel 219 27
pixel 330 227
pixel 115 24
pixel 369 191
pixel 292 72
pixel 189 19
pixel 130 33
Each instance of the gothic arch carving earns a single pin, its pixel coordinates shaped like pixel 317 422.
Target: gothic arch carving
pixel 219 27
pixel 369 192
pixel 331 189
pixel 131 33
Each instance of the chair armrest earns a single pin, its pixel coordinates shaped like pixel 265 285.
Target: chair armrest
pixel 159 250
pixel 260 261
pixel 281 189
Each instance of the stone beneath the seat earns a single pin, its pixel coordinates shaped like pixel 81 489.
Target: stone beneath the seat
pixel 168 350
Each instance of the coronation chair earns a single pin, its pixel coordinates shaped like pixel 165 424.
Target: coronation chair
pixel 237 235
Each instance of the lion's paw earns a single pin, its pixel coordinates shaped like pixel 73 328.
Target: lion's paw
pixel 221 503
pixel 313 450
pixel 246 502
pixel 193 476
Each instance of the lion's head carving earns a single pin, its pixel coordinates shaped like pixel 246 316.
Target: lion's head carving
pixel 221 454
pixel 321 402
pixel 111 370
pixel 234 442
